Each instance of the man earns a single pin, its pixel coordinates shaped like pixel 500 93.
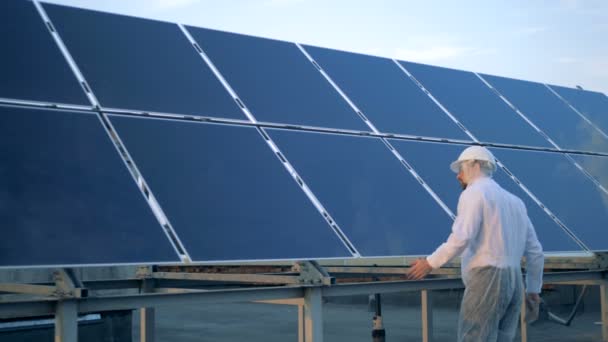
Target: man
pixel 492 231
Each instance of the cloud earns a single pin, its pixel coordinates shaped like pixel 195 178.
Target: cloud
pixel 438 53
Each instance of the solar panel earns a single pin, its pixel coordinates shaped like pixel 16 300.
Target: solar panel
pixel 432 161
pixel 572 197
pixel 488 117
pixel 32 66
pixel 276 81
pixel 592 104
pixel 67 197
pixel 382 209
pixel 385 94
pixel 550 114
pixel 140 64
pixel 229 196
pixel 225 192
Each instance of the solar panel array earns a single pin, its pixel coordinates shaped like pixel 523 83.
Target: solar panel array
pixel 126 140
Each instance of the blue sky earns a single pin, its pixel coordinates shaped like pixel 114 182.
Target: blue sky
pixel 561 42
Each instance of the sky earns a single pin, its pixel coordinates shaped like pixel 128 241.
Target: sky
pixel 561 42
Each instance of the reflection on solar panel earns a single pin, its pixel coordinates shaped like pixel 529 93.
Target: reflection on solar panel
pixel 432 160
pixel 552 115
pixel 473 103
pixel 597 166
pixel 145 65
pixel 67 197
pixel 32 66
pixel 386 94
pixel 232 189
pixel 225 192
pixel 574 199
pixel 591 104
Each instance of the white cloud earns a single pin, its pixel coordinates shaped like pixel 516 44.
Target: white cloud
pixel 438 53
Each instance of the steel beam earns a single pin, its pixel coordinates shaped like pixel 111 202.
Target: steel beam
pixel 604 305
pixel 522 320
pixel 66 321
pixel 391 286
pixel 242 278
pixel 313 315
pixel 427 315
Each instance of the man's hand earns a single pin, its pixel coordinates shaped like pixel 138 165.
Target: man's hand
pixel 532 307
pixel 419 269
pixel 532 299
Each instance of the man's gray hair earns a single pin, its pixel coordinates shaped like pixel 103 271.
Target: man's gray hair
pixel 486 167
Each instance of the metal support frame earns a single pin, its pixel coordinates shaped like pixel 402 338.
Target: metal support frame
pixel 427 315
pixel 66 321
pixel 313 315
pixel 308 298
pixel 522 320
pixel 604 308
pixel 147 315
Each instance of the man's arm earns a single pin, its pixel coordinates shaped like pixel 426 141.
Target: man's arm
pixel 466 225
pixel 535 261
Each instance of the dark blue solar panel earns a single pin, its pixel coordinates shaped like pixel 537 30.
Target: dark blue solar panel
pixel 225 192
pixel 67 197
pixel 387 96
pixel 550 114
pixel 597 166
pixel 572 197
pixel 31 65
pixel 592 104
pixel 432 161
pixel 276 81
pixel 487 116
pixel 141 64
pixel 381 208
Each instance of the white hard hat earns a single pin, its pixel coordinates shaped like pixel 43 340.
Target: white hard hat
pixel 474 153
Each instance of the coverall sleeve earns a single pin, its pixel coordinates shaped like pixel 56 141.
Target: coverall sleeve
pixel 466 226
pixel 535 260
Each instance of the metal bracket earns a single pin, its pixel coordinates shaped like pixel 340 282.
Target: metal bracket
pixel 312 273
pixel 144 272
pixel 67 284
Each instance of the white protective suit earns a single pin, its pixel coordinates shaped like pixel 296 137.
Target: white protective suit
pixel 492 231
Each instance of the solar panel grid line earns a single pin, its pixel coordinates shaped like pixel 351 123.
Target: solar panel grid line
pixel 155 206
pixel 368 122
pixel 542 205
pixel 589 175
pixel 502 166
pixel 41 104
pixel 576 111
pixel 215 119
pixel 64 51
pixel 517 111
pixel 217 73
pixel 428 93
pixel 337 88
pixel 277 152
pixel 116 142
pixel 306 189
pixel 520 113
